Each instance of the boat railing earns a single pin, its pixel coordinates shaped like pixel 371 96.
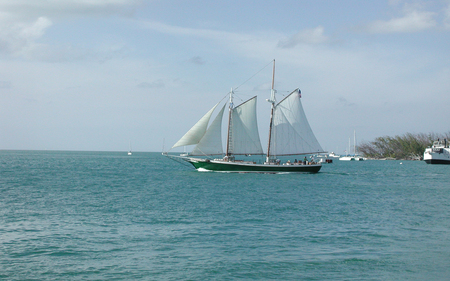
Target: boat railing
pixel 441 143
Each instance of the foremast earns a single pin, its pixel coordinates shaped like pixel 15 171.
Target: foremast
pixel 229 132
pixel 272 107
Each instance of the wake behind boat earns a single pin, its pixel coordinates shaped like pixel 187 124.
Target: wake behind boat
pixel 289 135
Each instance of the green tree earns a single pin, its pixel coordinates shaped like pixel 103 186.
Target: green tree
pixel 407 146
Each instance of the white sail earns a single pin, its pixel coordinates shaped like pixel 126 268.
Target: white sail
pixel 196 133
pixel 291 133
pixel 211 143
pixel 244 135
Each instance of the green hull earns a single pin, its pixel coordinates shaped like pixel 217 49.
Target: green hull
pixel 222 166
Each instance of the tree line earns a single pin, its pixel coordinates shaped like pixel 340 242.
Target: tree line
pixel 408 146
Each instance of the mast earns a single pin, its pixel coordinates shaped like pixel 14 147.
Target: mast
pixel 349 153
pixel 230 108
pixel 272 101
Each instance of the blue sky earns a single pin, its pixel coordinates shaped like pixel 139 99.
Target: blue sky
pixel 97 75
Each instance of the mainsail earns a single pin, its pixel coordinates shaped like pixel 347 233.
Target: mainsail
pixel 196 133
pixel 244 135
pixel 291 133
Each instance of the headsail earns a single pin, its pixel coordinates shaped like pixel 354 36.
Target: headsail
pixel 211 143
pixel 244 135
pixel 196 133
pixel 291 133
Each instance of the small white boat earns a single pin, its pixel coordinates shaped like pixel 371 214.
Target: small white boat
pixel 347 158
pixel 438 153
pixel 333 155
pixel 129 151
pixel 360 158
pixel 352 158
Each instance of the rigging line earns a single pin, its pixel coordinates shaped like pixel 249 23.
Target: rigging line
pixel 225 97
pixel 209 156
pixel 182 161
pixel 254 75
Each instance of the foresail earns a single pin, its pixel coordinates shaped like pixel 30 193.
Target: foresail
pixel 291 133
pixel 211 143
pixel 244 135
pixel 195 134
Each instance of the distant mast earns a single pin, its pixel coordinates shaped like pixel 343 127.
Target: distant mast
pixel 272 101
pixel 349 148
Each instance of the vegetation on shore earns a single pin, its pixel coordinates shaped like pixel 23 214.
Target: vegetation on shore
pixel 408 146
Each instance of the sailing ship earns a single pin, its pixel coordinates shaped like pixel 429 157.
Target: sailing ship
pixel 289 134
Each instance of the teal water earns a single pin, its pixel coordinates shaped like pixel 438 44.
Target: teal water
pixel 109 216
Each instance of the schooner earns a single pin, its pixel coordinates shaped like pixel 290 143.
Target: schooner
pixel 289 134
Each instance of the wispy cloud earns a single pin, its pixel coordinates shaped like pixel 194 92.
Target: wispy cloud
pixel 17 37
pixel 447 17
pixel 152 85
pixel 412 21
pixel 308 36
pixel 237 41
pixel 194 32
pixel 33 8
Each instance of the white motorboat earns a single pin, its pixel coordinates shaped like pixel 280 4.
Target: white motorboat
pixel 438 153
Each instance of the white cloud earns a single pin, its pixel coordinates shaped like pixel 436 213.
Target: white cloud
pixel 308 36
pixel 16 37
pixel 36 29
pixel 412 21
pixel 24 22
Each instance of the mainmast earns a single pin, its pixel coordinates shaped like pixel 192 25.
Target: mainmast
pixel 230 109
pixel 272 101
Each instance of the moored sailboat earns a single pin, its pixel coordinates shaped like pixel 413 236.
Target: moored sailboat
pixel 129 151
pixel 355 156
pixel 289 134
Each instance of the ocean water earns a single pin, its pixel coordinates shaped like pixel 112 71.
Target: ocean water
pixel 109 216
